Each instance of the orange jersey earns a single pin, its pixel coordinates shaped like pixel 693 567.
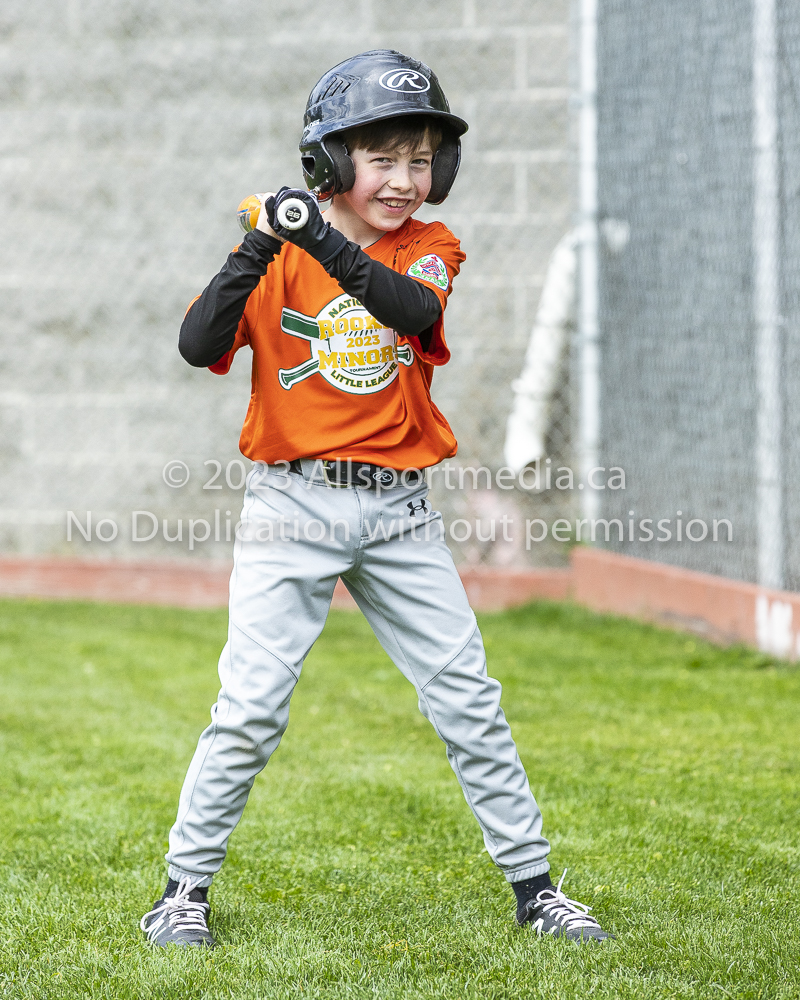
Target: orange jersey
pixel 329 380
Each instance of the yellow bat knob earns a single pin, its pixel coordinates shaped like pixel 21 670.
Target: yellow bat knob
pixel 247 212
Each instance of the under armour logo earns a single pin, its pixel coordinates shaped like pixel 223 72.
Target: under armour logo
pixel 413 507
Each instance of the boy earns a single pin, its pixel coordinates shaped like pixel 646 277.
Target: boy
pixel 344 317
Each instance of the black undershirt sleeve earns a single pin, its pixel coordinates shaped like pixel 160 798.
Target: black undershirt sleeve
pixel 209 327
pixel 399 302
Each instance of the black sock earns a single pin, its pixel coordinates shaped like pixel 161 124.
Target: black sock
pixel 530 887
pixel 198 895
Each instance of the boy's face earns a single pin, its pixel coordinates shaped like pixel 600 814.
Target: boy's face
pixel 390 185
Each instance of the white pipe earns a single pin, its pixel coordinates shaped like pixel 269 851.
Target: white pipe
pixel 766 297
pixel 530 417
pixel 588 325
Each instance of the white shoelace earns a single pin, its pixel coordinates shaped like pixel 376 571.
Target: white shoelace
pixel 178 911
pixel 567 912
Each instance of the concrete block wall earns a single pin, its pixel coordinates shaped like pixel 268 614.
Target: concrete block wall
pixel 129 131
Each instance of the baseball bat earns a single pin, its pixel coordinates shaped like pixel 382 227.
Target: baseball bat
pixel 248 211
pixel 292 212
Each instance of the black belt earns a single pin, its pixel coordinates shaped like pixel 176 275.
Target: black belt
pixel 349 473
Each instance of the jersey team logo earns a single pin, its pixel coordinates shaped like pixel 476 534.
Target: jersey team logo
pixel 431 268
pixel 350 349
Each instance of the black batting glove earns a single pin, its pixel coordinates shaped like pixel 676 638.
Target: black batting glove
pixel 317 237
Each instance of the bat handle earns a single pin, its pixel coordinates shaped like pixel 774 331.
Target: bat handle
pixel 292 213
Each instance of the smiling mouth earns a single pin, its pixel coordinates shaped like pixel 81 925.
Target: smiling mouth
pixel 395 203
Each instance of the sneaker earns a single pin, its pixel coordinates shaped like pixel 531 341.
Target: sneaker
pixel 551 912
pixel 181 919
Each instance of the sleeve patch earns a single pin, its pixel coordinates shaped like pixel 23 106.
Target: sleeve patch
pixel 431 268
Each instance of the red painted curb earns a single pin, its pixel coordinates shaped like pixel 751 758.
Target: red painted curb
pixel 184 584
pixel 491 589
pixel 722 610
pixel 196 584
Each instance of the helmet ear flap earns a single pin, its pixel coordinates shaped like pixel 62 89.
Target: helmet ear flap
pixel 327 168
pixel 344 170
pixel 444 168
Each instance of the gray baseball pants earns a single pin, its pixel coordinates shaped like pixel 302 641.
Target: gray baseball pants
pixel 296 538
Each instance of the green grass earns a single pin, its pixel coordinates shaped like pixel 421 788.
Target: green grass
pixel 667 771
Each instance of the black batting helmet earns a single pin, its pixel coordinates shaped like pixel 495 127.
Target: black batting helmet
pixel 369 87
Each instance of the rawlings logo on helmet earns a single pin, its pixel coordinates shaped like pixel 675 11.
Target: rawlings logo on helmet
pixel 404 81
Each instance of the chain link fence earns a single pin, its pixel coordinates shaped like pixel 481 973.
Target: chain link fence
pixel 699 282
